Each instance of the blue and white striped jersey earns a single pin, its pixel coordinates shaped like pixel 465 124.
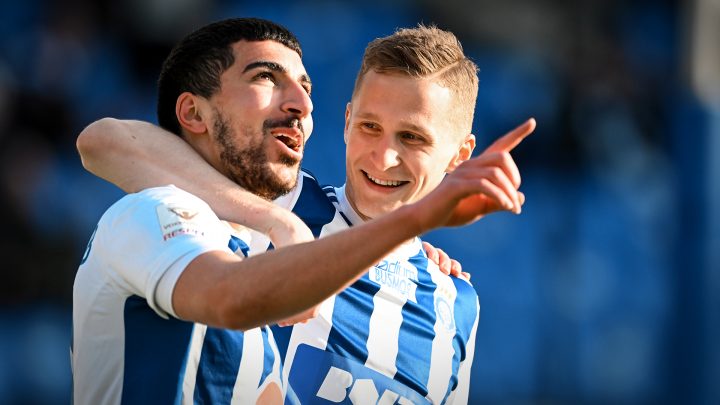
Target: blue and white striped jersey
pixel 403 333
pixel 128 346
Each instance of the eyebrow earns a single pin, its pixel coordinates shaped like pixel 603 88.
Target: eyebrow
pixel 276 67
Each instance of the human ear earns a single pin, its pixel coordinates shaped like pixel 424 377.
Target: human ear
pixel 347 121
pixel 189 112
pixel 464 152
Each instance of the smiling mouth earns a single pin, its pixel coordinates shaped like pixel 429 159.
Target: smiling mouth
pixel 384 183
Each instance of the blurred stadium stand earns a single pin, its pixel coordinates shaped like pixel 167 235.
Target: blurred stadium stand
pixel 605 290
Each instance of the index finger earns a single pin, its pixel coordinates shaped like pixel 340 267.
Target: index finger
pixel 509 141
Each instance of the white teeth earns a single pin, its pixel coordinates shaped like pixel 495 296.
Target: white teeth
pixel 392 183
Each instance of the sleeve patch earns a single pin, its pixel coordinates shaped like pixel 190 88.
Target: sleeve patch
pixel 176 220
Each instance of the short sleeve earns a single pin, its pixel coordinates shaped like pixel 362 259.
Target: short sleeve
pixel 152 236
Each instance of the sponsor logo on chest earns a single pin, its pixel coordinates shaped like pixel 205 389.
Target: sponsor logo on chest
pixel 397 276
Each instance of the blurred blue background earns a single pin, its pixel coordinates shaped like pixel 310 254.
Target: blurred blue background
pixel 604 290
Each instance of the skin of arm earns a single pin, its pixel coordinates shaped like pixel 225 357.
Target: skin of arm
pixel 136 155
pixel 223 290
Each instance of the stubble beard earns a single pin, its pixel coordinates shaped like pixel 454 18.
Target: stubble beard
pixel 249 167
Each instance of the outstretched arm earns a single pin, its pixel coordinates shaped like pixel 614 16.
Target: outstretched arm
pixel 220 289
pixel 136 155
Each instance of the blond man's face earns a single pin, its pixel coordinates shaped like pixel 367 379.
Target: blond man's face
pixel 400 141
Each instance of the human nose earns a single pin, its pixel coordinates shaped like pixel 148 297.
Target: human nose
pixel 297 101
pixel 386 153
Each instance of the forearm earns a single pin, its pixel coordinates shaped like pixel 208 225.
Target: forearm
pixel 136 155
pixel 277 284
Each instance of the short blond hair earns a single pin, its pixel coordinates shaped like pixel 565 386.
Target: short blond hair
pixel 427 52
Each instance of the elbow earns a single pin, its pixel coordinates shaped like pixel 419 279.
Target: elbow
pixel 236 320
pixel 238 314
pixel 93 140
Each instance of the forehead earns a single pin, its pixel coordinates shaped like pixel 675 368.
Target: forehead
pixel 247 52
pixel 404 99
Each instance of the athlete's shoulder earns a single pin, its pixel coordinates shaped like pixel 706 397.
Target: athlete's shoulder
pixel 157 195
pixel 307 174
pixel 463 286
pixel 331 193
pixel 166 201
pixel 313 205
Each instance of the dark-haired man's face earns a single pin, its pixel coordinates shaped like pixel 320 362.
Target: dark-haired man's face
pixel 262 117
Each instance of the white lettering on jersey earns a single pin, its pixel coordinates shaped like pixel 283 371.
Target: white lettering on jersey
pixel 337 381
pixel 399 276
pixel 335 385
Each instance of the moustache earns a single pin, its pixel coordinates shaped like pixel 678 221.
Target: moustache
pixel 290 122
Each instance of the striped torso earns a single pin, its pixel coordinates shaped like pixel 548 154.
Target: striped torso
pixel 403 330
pixel 127 346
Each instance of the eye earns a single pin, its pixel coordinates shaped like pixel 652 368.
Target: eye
pixel 369 126
pixel 411 138
pixel 308 88
pixel 265 76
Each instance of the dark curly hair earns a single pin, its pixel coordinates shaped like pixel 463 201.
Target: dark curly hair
pixel 196 63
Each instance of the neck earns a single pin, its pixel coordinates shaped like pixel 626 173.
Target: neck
pixel 351 201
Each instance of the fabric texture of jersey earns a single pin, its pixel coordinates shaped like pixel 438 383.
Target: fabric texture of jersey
pixel 128 346
pixel 403 333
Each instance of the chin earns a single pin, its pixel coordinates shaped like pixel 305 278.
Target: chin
pixel 376 211
pixel 287 174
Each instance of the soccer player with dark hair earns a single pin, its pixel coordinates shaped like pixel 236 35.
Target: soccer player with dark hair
pixel 403 329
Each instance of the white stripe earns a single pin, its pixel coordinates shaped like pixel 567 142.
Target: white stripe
pixel 442 348
pixel 191 364
pixel 251 368
pixel 314 333
pixel 96 381
pixel 384 328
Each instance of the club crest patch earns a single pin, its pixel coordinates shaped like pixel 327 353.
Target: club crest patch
pixel 444 312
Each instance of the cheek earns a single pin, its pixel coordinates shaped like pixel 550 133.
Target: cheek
pixel 432 173
pixel 353 148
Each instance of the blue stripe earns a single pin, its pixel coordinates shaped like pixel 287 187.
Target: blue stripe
pixel 236 244
pixel 417 331
pixel 282 339
pixel 155 354
pixel 89 247
pixel 330 193
pixel 269 360
pixel 219 364
pixel 351 320
pixel 465 311
pixel 347 220
pixel 313 206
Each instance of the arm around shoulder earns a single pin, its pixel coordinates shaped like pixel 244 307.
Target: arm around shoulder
pixel 113 150
pixel 136 155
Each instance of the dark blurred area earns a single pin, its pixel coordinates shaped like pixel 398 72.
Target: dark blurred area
pixel 605 289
